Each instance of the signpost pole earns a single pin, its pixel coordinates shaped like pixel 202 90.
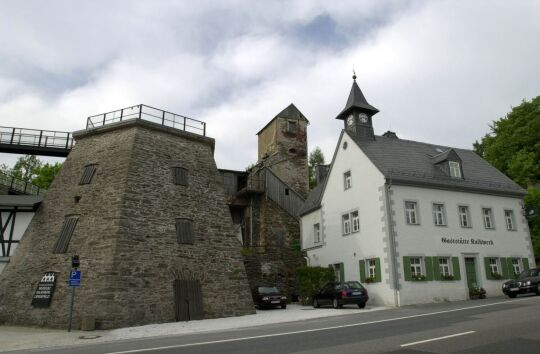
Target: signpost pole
pixel 71 308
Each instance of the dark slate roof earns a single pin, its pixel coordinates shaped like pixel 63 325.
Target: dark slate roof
pixel 407 162
pixel 412 162
pixel 313 200
pixel 290 112
pixel 356 100
pixel 21 201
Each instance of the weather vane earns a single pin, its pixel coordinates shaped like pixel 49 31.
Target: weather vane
pixel 353 73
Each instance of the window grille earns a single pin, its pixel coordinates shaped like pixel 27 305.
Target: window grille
pixel 65 234
pixel 347 180
pixel 509 218
pixel 180 176
pixel 444 266
pixel 317 233
pixel 355 221
pixel 416 266
pixel 488 218
pixel 184 231
pixel 438 214
pixel 87 174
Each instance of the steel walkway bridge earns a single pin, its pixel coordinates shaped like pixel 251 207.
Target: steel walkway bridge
pixel 35 142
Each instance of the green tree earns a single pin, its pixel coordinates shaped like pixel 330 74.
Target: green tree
pixel 45 174
pixel 31 169
pixel 316 157
pixel 513 146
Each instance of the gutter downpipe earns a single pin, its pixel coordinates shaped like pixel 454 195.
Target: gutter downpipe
pixel 391 237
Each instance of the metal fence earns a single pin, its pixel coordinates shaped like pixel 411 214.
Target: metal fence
pixel 20 186
pixel 150 114
pixel 36 138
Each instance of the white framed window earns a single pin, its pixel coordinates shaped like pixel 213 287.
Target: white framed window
pixel 439 216
pixel 494 265
pixel 317 233
pixel 291 126
pixel 411 213
pixel 416 266
pixel 516 265
pixel 464 216
pixel 371 268
pixel 355 221
pixel 455 169
pixel 509 220
pixel 487 214
pixel 444 266
pixel 347 180
pixel 346 222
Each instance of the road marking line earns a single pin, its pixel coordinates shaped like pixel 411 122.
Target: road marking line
pixel 320 329
pixel 438 338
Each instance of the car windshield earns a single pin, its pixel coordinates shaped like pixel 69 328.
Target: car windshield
pixel 268 290
pixel 352 285
pixel 527 273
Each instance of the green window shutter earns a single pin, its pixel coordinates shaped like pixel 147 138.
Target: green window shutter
pixel 525 262
pixel 504 265
pixel 455 268
pixel 341 272
pixel 488 268
pixel 407 268
pixel 429 268
pixel 378 273
pixel 362 264
pixel 436 270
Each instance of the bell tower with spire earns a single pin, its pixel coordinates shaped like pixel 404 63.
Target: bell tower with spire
pixel 357 114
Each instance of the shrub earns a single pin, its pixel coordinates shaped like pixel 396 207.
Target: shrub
pixel 447 277
pixel 370 280
pixel 496 275
pixel 419 277
pixel 311 279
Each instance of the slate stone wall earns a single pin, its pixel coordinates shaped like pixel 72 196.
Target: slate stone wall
pixel 126 235
pixel 273 257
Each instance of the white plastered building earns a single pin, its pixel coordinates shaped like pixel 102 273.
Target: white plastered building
pixel 414 222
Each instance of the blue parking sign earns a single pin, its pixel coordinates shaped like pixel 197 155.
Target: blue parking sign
pixel 75 278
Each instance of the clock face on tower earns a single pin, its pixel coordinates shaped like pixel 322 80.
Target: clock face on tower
pixel 350 120
pixel 363 118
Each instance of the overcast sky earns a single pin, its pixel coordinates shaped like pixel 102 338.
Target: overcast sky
pixel 438 71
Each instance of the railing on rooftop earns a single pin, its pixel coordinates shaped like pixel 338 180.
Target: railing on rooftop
pixel 19 186
pixel 150 114
pixel 36 138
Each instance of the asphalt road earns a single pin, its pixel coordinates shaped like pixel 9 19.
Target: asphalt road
pixel 482 326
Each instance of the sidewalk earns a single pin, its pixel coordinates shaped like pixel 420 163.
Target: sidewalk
pixel 14 338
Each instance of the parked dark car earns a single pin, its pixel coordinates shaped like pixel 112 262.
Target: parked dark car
pixel 338 294
pixel 527 281
pixel 266 296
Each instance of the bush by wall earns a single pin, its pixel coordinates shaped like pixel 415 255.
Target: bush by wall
pixel 311 279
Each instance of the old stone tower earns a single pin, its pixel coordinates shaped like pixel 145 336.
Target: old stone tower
pixel 143 206
pixel 265 201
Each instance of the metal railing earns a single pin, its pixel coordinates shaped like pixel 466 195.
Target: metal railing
pixel 150 114
pixel 36 138
pixel 20 186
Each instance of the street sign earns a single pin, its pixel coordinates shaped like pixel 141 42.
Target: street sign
pixel 75 278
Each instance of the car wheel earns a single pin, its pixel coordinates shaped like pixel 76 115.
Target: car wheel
pixel 316 303
pixel 362 305
pixel 283 306
pixel 336 304
pixel 538 289
pixel 512 295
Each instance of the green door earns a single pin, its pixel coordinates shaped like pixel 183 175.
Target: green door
pixel 470 270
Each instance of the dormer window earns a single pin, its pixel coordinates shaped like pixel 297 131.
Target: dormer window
pixel 455 169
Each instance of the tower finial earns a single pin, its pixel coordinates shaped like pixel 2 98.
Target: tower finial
pixel 353 74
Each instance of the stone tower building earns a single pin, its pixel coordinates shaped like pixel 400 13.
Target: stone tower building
pixel 283 148
pixel 266 200
pixel 143 207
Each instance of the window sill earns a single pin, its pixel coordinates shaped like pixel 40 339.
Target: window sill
pixel 466 227
pixel 443 225
pixel 412 224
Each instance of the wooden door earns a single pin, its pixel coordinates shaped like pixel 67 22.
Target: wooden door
pixel 188 300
